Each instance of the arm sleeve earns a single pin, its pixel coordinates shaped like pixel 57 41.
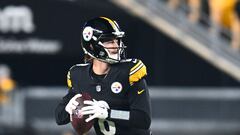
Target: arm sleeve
pixel 140 108
pixel 140 105
pixel 62 117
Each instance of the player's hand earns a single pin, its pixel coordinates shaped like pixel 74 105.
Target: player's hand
pixel 95 109
pixel 72 104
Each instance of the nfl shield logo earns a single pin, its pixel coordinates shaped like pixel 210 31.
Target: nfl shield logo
pixel 98 88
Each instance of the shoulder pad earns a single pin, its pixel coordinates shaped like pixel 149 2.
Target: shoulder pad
pixel 69 81
pixel 138 71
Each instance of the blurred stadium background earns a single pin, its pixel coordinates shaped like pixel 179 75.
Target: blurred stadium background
pixel 191 49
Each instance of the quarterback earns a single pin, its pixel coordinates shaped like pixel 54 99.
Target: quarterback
pixel 121 104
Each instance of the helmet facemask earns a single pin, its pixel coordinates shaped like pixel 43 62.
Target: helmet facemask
pixel 113 56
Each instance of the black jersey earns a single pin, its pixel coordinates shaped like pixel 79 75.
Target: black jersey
pixel 123 88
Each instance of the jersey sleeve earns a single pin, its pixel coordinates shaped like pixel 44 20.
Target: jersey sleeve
pixel 139 114
pixel 61 116
pixel 137 71
pixel 71 76
pixel 139 98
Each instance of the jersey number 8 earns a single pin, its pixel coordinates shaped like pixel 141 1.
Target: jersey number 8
pixel 111 127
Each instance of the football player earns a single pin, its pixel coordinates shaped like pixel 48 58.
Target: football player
pixel 121 104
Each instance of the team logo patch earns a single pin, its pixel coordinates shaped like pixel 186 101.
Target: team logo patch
pixel 116 87
pixel 87 33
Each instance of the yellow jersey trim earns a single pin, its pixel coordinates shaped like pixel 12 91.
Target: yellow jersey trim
pixel 69 82
pixel 137 74
pixel 133 68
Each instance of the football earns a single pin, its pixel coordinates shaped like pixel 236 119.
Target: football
pixel 78 121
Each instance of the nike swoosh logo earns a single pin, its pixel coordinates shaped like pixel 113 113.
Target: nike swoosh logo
pixel 140 92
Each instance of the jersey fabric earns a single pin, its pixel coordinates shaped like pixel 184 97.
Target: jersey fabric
pixel 123 88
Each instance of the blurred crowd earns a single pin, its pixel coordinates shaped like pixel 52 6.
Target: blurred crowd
pixel 222 14
pixel 7 84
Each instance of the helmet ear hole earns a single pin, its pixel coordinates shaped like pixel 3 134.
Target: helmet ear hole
pixel 91 47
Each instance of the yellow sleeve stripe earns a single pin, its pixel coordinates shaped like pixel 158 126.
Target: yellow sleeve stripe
pixel 69 82
pixel 139 74
pixel 138 66
pixel 133 68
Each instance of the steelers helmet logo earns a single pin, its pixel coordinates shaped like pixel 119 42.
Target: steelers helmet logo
pixel 87 33
pixel 116 87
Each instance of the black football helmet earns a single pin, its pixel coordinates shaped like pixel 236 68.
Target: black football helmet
pixel 99 30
